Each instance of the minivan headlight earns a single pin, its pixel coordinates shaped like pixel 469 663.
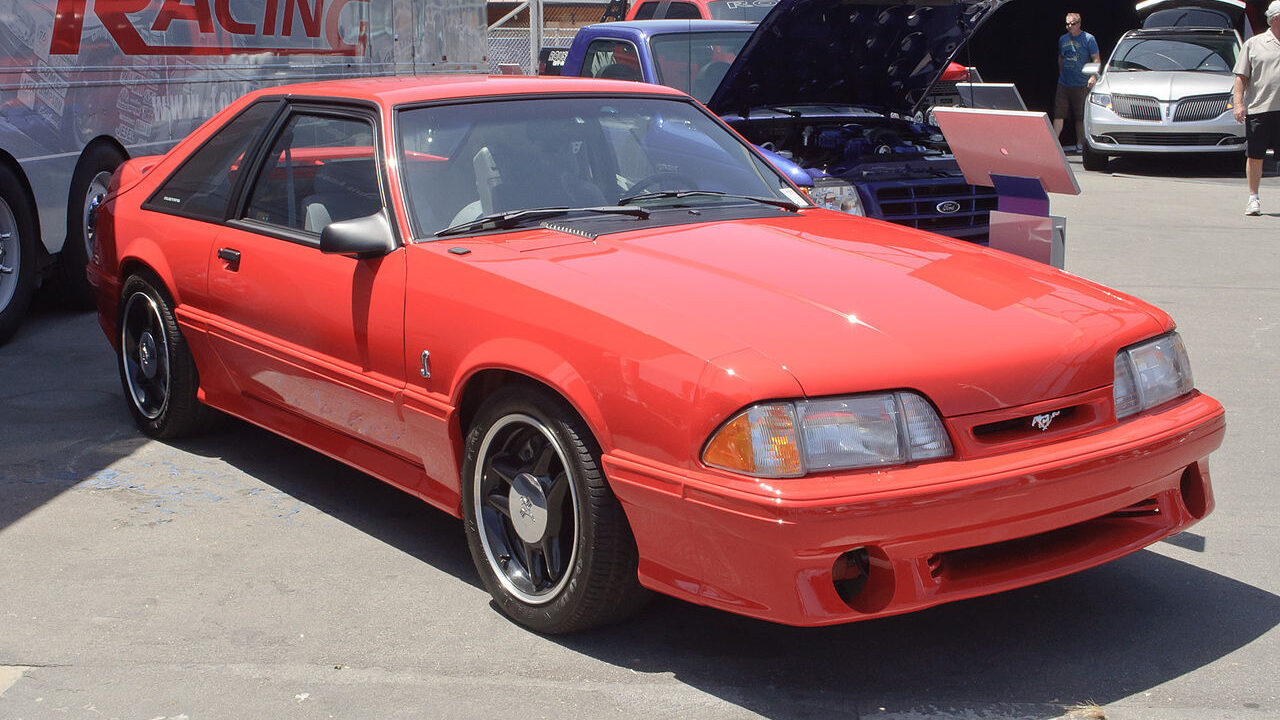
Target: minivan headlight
pixel 794 438
pixel 1100 99
pixel 1151 373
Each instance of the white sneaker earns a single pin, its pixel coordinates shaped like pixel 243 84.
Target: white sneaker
pixel 1254 207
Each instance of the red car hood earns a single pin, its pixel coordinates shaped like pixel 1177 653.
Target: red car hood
pixel 848 305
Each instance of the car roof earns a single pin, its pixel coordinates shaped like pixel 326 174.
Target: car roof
pixel 662 27
pixel 401 90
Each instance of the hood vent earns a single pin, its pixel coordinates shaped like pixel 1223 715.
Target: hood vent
pixel 571 230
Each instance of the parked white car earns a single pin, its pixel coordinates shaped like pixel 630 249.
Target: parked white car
pixel 1167 87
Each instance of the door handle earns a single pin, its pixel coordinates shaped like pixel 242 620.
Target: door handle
pixel 230 257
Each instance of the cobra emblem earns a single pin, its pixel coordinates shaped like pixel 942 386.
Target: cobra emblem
pixel 1041 422
pixel 947 207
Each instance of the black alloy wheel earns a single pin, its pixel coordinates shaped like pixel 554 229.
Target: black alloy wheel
pixel 156 369
pixel 549 539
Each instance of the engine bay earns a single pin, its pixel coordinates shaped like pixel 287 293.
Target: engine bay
pixel 864 147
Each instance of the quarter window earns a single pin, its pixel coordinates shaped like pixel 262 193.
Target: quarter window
pixel 201 188
pixel 320 169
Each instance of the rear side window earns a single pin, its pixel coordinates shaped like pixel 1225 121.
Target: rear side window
pixel 646 11
pixel 612 60
pixel 202 187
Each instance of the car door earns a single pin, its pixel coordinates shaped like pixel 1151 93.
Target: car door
pixel 318 335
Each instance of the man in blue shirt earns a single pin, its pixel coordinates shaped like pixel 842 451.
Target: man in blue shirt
pixel 1075 48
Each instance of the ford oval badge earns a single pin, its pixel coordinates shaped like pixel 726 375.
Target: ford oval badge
pixel 947 207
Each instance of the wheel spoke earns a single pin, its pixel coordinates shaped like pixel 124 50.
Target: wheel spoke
pixel 556 491
pixel 507 467
pixel 499 502
pixel 536 565
pixel 554 557
pixel 542 465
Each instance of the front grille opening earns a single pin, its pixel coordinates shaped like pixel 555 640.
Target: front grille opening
pixel 1045 423
pixel 1146 508
pixel 1048 550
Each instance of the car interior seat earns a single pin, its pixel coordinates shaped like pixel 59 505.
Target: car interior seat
pixel 342 190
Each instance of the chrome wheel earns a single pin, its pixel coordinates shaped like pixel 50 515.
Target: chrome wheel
pixel 526 508
pixel 93 198
pixel 144 355
pixel 10 254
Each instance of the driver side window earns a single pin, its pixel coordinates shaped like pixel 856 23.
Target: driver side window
pixel 320 169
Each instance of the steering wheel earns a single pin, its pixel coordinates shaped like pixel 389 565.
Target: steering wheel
pixel 679 180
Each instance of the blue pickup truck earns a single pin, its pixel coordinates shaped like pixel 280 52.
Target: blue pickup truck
pixel 828 90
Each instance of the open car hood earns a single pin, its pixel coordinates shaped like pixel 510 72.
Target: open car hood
pixel 869 53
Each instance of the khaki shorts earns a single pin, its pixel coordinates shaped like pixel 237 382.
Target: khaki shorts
pixel 1068 102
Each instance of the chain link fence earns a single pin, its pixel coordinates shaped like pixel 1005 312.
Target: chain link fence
pixel 511 37
pixel 509 47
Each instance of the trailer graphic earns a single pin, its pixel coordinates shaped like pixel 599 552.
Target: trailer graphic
pixel 85 84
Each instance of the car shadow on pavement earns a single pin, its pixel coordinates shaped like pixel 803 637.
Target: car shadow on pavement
pixel 1098 636
pixel 1186 166
pixel 62 413
pixel 341 492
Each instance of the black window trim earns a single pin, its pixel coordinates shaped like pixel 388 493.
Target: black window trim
pixel 152 203
pixel 295 106
pixel 254 156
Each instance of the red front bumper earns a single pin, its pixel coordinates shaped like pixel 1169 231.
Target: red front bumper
pixel 934 533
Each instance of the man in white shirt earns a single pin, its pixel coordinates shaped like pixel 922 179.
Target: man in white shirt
pixel 1257 101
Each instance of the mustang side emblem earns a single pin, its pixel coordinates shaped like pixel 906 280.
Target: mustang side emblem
pixel 1041 422
pixel 947 207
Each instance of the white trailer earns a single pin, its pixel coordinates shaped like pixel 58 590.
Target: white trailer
pixel 85 84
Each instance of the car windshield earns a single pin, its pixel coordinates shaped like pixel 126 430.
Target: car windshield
pixel 466 161
pixel 751 10
pixel 696 62
pixel 1195 54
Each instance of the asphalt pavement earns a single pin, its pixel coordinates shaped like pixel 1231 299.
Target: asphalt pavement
pixel 240 576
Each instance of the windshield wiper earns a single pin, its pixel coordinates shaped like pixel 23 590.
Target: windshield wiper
pixel 516 218
pixel 668 194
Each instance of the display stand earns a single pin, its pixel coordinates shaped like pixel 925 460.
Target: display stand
pixel 1018 154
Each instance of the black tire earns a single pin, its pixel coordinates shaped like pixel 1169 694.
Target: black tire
pixel 88 186
pixel 1092 159
pixel 18 265
pixel 156 368
pixel 566 560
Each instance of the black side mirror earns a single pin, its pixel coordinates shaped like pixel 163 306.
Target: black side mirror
pixel 364 237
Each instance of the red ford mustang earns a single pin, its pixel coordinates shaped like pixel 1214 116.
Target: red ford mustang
pixel 592 322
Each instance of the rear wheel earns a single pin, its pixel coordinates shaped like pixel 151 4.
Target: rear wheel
pixel 1092 159
pixel 156 367
pixel 17 253
pixel 547 535
pixel 88 188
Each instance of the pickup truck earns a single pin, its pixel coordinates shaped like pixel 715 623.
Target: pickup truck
pixel 840 117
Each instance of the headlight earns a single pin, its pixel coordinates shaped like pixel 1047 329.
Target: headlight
pixel 835 194
pixel 790 439
pixel 1151 373
pixel 1100 99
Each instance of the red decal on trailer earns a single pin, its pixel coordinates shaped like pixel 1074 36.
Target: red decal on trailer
pixel 213 21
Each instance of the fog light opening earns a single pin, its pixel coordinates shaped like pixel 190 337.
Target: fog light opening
pixel 849 573
pixel 1193 491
